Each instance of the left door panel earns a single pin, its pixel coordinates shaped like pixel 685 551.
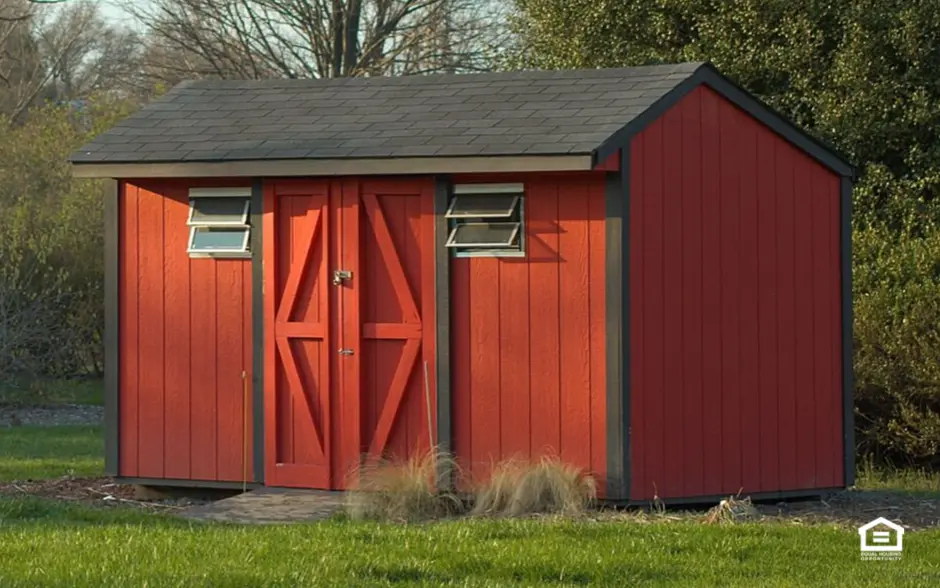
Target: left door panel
pixel 297 334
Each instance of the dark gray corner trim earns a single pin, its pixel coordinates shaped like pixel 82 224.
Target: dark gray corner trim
pixel 848 373
pixel 711 77
pixel 257 327
pixel 174 483
pixel 442 187
pixel 112 268
pixel 617 307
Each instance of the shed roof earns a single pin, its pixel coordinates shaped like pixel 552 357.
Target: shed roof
pixel 528 114
pixel 512 113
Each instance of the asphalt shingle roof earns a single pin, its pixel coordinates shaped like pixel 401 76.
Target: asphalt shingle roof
pixel 511 113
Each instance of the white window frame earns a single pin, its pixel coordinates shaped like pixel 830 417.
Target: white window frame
pixel 487 249
pixel 196 194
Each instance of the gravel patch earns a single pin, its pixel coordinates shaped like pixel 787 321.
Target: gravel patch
pixel 52 416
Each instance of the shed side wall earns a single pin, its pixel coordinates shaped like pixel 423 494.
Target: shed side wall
pixel 185 339
pixel 735 308
pixel 528 339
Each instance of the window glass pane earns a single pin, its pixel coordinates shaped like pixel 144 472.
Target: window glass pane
pixel 218 210
pixel 216 239
pixel 483 205
pixel 484 235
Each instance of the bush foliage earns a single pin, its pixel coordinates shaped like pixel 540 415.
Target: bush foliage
pixel 51 275
pixel 897 341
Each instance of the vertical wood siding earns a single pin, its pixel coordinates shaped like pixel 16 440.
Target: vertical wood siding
pixel 185 337
pixel 528 343
pixel 735 325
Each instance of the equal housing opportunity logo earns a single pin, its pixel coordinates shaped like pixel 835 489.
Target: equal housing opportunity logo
pixel 881 539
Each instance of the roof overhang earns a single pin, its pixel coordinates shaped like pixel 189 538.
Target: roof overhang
pixel 336 167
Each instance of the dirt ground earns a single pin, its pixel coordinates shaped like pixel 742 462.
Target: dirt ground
pixel 849 509
pixel 103 492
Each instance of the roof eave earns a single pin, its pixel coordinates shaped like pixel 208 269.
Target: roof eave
pixel 334 167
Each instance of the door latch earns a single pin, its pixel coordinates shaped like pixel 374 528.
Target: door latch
pixel 345 352
pixel 340 275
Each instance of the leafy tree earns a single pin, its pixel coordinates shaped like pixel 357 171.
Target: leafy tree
pixel 51 277
pixel 863 75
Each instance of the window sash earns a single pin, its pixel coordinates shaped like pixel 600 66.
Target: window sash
pixel 462 199
pixel 243 248
pixel 242 220
pixel 508 243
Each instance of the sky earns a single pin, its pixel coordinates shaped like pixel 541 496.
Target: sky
pixel 111 10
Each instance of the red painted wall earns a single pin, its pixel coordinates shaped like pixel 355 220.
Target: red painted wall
pixel 735 326
pixel 528 342
pixel 185 338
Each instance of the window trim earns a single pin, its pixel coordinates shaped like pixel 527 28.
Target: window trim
pixel 514 188
pixel 242 223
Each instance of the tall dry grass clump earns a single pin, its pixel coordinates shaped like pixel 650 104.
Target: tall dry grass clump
pixel 518 488
pixel 403 491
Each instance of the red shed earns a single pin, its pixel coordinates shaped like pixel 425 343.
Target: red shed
pixel 644 271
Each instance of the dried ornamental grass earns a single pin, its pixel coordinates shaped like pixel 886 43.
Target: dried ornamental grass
pixel 403 491
pixel 518 488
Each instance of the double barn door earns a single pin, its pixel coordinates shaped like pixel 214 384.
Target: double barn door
pixel 349 307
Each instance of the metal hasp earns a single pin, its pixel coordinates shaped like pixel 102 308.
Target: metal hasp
pixel 340 275
pixel 345 352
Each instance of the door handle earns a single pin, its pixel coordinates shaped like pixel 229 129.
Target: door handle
pixel 345 351
pixel 340 275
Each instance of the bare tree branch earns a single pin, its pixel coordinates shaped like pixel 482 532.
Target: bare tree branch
pixel 318 38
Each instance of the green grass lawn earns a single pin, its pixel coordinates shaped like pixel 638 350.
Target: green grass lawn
pixel 48 543
pixel 54 392
pixel 50 452
pixel 43 544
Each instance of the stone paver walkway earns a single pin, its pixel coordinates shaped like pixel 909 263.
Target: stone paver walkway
pixel 270 505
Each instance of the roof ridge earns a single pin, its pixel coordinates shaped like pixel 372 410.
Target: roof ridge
pixel 521 75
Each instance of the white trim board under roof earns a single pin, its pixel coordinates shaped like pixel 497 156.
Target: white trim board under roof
pixel 333 167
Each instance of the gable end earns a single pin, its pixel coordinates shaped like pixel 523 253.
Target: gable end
pixel 707 74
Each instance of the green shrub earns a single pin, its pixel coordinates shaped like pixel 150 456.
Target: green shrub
pixel 897 346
